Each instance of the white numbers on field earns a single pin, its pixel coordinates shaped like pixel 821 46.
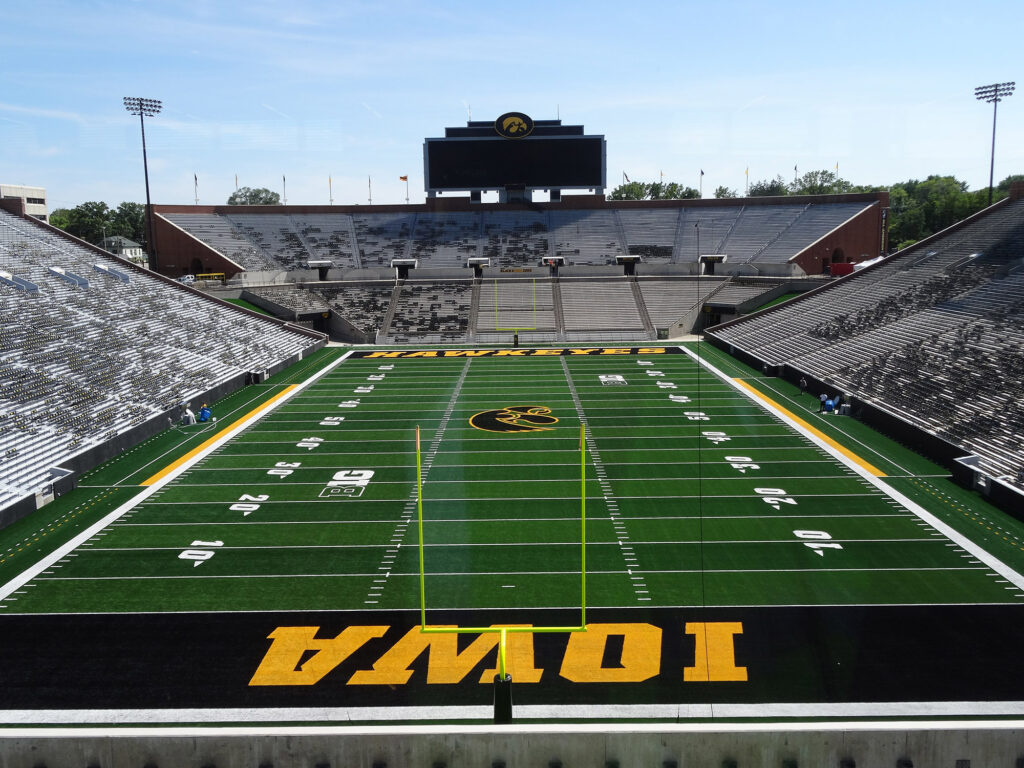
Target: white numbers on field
pixel 200 556
pixel 284 468
pixel 679 398
pixel 696 416
pixel 774 497
pixel 363 390
pixel 246 503
pixel 741 463
pixel 655 373
pixel 385 367
pixel 309 443
pixel 820 541
pixel 666 385
pixel 644 362
pixel 716 437
pixel 332 421
pixel 349 403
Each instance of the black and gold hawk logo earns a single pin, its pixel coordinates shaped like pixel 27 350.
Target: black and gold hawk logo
pixel 514 125
pixel 515 418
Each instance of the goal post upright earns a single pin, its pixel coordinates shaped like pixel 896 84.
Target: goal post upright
pixel 503 680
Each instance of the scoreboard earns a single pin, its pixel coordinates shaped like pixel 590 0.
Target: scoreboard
pixel 545 156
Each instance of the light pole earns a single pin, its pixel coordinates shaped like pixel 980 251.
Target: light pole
pixel 145 108
pixel 993 94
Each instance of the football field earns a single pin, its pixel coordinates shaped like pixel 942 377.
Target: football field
pixel 727 558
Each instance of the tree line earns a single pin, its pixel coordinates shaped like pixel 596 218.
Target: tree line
pixel 93 221
pixel 917 209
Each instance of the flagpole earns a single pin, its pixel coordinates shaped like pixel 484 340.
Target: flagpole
pixel 284 190
pixel 406 190
pixel 195 179
pixel 330 191
pixel 369 187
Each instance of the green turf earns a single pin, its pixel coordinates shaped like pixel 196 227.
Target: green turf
pixel 671 521
pixel 248 305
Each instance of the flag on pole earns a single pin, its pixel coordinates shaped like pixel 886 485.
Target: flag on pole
pixel 625 177
pixel 701 171
pixel 403 178
pixel 195 178
pixel 747 172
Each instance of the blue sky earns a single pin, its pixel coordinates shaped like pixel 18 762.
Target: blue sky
pixel 308 89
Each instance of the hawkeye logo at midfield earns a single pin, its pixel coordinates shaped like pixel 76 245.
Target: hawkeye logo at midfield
pixel 515 418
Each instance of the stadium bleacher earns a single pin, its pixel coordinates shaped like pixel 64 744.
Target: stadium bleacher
pixel 764 234
pixel 83 361
pixel 934 334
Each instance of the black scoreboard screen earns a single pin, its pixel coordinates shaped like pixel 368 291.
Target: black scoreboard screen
pixel 537 162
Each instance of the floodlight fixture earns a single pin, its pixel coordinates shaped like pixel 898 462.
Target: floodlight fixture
pixel 145 108
pixel 993 94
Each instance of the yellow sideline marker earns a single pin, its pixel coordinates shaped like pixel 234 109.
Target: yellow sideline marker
pixel 207 443
pixel 816 432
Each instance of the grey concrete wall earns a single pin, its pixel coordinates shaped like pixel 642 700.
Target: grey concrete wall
pixel 573 746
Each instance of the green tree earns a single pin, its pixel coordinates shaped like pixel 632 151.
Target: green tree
pixel 919 209
pixel 724 192
pixel 820 183
pixel 250 196
pixel 89 221
pixel 768 188
pixel 1003 187
pixel 632 190
pixel 129 220
pixel 59 218
pixel 639 190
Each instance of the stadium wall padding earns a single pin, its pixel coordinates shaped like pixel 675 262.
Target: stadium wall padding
pixel 96 455
pixel 17 510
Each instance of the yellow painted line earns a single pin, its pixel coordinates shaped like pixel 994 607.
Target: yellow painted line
pixel 816 432
pixel 206 444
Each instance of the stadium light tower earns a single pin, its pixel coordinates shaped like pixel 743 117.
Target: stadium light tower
pixel 993 94
pixel 145 108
